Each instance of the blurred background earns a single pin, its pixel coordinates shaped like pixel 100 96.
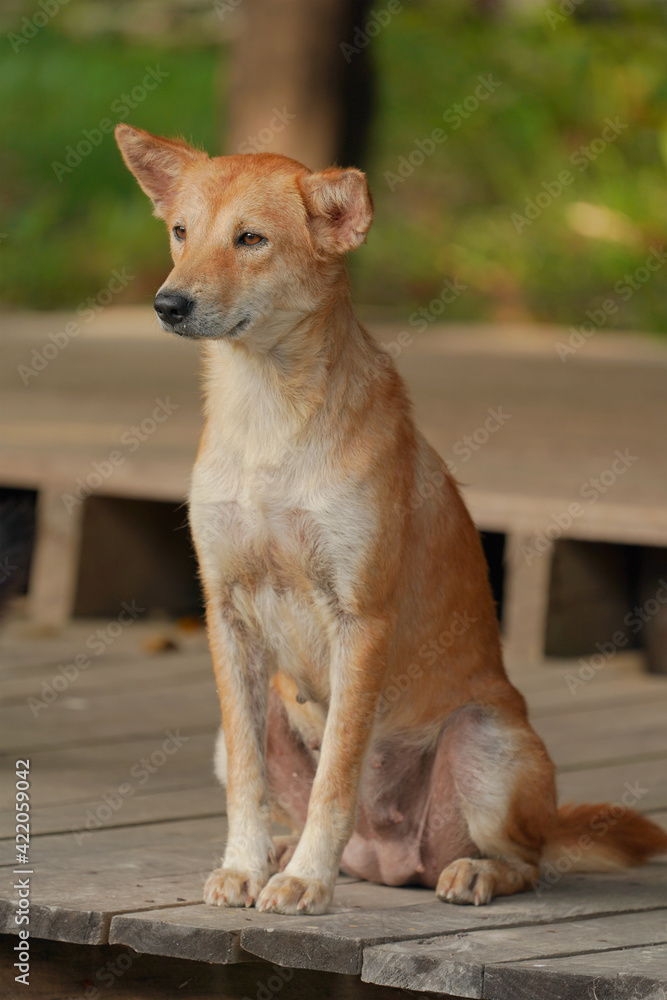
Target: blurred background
pixel 372 84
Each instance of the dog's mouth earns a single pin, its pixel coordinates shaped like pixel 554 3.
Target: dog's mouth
pixel 191 331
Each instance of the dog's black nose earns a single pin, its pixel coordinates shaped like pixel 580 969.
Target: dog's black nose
pixel 172 307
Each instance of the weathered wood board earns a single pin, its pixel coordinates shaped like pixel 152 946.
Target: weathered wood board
pixel 630 974
pixel 137 671
pixel 76 908
pixel 74 721
pixel 576 739
pixel 81 775
pixel 644 780
pixel 458 964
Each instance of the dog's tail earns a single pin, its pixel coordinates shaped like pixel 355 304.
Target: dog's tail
pixel 603 837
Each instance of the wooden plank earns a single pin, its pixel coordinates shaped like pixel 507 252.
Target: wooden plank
pixel 616 692
pixel 25 647
pixel 70 787
pixel 647 781
pixel 526 600
pixel 171 804
pixel 630 974
pixel 55 560
pixel 627 522
pixel 135 672
pixel 81 775
pixel 605 734
pixel 112 847
pixel 458 964
pixel 625 666
pixel 659 817
pixel 198 933
pixel 95 719
pixel 82 913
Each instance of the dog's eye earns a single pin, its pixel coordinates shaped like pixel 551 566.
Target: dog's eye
pixel 179 233
pixel 250 239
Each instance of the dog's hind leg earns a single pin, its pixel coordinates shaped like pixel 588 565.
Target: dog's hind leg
pixel 504 791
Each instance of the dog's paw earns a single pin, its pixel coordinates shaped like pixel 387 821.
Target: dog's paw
pixel 228 887
pixel 289 894
pixel 468 880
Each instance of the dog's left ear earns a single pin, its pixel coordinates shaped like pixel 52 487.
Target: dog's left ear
pixel 340 208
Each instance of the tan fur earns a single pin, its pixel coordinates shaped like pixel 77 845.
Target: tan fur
pixel 336 552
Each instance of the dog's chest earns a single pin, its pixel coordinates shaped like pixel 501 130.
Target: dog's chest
pixel 282 546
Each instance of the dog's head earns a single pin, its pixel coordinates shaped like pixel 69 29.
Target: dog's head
pixel 252 236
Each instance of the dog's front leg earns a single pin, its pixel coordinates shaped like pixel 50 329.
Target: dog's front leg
pixel 358 666
pixel 242 680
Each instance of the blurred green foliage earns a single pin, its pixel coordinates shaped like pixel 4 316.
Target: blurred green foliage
pixel 65 236
pixel 451 217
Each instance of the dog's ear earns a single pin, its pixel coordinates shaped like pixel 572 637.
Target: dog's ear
pixel 156 163
pixel 340 208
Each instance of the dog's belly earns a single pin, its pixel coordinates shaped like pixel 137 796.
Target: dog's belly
pixel 409 822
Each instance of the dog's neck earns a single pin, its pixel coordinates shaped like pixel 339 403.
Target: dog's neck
pixel 262 391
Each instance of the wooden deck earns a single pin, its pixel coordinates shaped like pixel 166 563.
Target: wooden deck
pixel 127 820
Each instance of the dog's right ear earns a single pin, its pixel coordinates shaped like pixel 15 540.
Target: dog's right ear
pixel 156 163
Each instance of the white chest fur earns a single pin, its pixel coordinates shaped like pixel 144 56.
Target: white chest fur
pixel 281 543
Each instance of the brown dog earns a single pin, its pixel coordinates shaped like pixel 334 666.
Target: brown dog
pixel 327 591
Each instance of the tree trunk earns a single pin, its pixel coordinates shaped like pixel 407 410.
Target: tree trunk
pixel 290 81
